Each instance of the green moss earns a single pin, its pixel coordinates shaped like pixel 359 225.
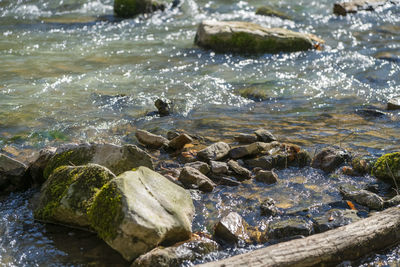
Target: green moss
pixel 131 8
pixel 387 166
pixel 105 215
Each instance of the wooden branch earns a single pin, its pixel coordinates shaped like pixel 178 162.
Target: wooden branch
pixel 349 242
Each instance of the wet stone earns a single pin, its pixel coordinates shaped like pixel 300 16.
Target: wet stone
pixel 394 201
pixel 215 151
pixel 172 134
pixel 194 179
pixel 393 103
pixel 284 228
pixel 363 197
pixel 269 11
pixel 268 207
pixel 151 140
pixel 163 107
pixel 246 138
pixel 264 135
pixel 243 173
pixel 12 175
pixel 36 168
pixel 357 5
pixel 329 159
pixel 218 167
pixel 231 228
pixel 247 150
pixel 180 141
pixel 334 218
pixel 203 167
pixel 267 177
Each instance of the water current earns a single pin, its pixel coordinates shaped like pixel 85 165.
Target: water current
pixel 71 72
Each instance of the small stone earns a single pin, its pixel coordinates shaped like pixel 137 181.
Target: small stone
pixel 215 151
pixel 246 138
pixel 243 173
pixel 151 140
pixel 285 228
pixel 329 159
pixel 267 177
pixel 180 141
pixel 264 135
pixel 218 167
pixel 163 107
pixel 172 134
pixel 247 150
pixel 268 207
pixel 203 167
pixel 393 103
pixel 231 228
pixel 192 178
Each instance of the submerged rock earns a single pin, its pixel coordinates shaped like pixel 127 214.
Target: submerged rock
pixel 285 228
pixel 329 159
pixel 151 140
pixel 215 151
pixel 176 255
pixel 334 218
pixel 267 177
pixel 389 57
pixel 268 11
pixel 140 210
pixel 253 93
pixel 162 107
pixel 362 164
pixel 192 178
pixel 118 159
pixel 248 38
pixel 393 103
pixel 387 167
pixel 131 8
pixel 364 198
pixel 357 5
pixel 68 193
pixel 12 175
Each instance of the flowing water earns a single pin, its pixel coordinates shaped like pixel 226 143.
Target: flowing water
pixel 71 72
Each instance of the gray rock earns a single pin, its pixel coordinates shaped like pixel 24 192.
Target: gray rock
pixel 364 198
pixel 267 177
pixel 180 141
pixel 250 38
pixel 243 173
pixel 36 168
pixel 393 103
pixel 218 167
pixel 394 201
pixel 177 254
pixel 357 5
pixel 268 11
pixel 68 193
pixel 163 107
pixel 247 150
pixel 280 160
pixel 215 151
pixel 118 159
pixel 203 167
pixel 334 218
pixel 192 178
pixel 139 210
pixel 151 140
pixel 329 159
pixel 172 134
pixel 246 138
pixel 231 228
pixel 12 175
pixel 268 207
pixel 284 228
pixel 264 135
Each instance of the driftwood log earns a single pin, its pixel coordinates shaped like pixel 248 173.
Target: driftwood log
pixel 349 242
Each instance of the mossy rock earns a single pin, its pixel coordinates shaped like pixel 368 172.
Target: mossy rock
pixel 269 11
pixel 139 210
pixel 69 192
pixel 131 8
pixel 387 167
pixel 253 93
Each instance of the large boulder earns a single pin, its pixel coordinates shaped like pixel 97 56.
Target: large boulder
pixel 387 167
pixel 131 8
pixel 140 210
pixel 249 38
pixel 118 159
pixel 12 175
pixel 68 193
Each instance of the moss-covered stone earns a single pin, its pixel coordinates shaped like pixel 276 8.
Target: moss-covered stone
pixel 253 93
pixel 387 167
pixel 268 11
pixel 131 8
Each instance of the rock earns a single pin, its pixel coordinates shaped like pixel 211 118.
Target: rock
pixel 172 134
pixel 267 177
pixel 268 11
pixel 334 218
pixel 268 207
pixel 285 228
pixel 231 228
pixel 12 175
pixel 357 5
pixel 329 159
pixel 246 138
pixel 203 167
pixel 192 178
pixel 394 201
pixel 140 210
pixel 364 198
pixel 370 113
pixel 243 173
pixel 180 141
pixel 247 150
pixel 362 164
pixel 162 107
pixel 389 57
pixel 264 135
pixel 216 151
pixel 224 180
pixel 249 38
pixel 218 167
pixel 393 103
pixel 131 8
pixel 177 254
pixel 387 167
pixel 118 159
pixel 36 168
pixel 151 140
pixel 68 193
pixel 254 93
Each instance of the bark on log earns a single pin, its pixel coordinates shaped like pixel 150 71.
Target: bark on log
pixel 349 242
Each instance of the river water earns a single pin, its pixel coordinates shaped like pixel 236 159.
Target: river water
pixel 71 72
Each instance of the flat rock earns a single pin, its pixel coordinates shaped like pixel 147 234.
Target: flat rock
pixel 117 159
pixel 139 210
pixel 242 173
pixel 285 228
pixel 393 103
pixel 215 151
pixel 151 140
pixel 246 138
pixel 180 141
pixel 192 178
pixel 250 38
pixel 12 175
pixel 357 5
pixel 334 218
pixel 269 11
pixel 329 159
pixel 264 135
pixel 218 167
pixel 247 150
pixel 267 177
pixel 364 198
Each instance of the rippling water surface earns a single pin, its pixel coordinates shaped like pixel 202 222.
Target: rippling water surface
pixel 70 72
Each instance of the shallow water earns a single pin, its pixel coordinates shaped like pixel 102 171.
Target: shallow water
pixel 71 72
